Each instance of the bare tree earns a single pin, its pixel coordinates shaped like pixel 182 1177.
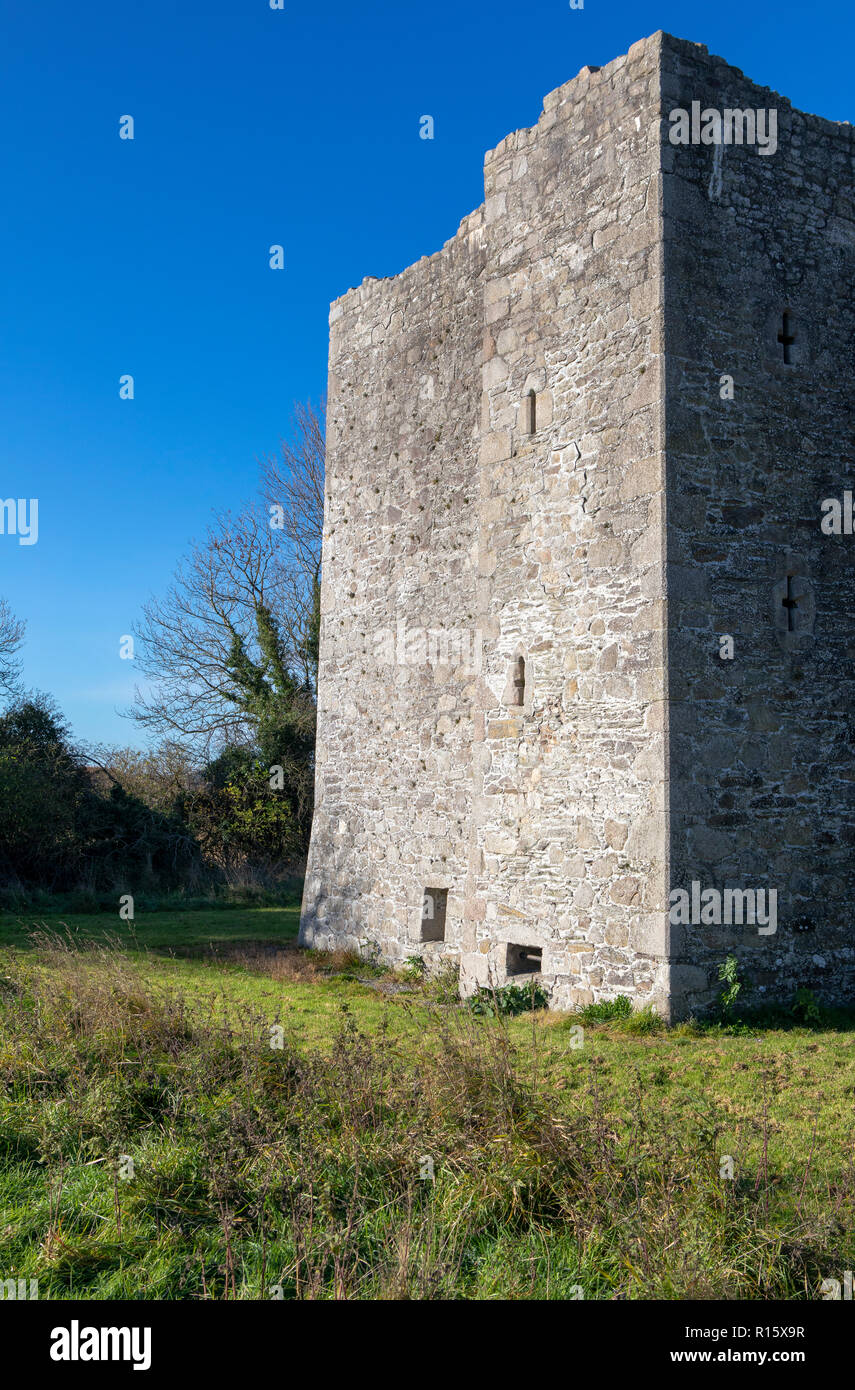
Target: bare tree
pixel 187 641
pixel 159 777
pixel 11 639
pixel 237 630
pixel 294 482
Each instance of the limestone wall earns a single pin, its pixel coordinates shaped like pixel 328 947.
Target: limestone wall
pixel 398 643
pixel 762 762
pixel 569 815
pixel 523 501
pixel 445 509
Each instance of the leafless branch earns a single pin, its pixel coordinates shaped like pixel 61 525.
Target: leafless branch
pixel 11 639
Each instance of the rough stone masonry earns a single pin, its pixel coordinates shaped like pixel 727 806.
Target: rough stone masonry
pixel 584 641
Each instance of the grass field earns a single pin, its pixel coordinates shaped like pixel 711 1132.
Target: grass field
pixel 159 1138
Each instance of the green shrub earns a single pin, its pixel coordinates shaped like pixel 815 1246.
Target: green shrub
pixel 806 1008
pixel 508 1001
pixel 641 1022
pixel 728 973
pixel 415 968
pixel 607 1011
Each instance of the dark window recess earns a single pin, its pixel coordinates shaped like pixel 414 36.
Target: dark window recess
pixel 790 603
pixel 434 909
pixel 532 412
pixel 518 680
pixel 524 960
pixel 787 338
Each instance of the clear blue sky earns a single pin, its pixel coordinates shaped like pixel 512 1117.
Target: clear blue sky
pixel 253 126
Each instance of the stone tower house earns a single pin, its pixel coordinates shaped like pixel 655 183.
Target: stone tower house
pixel 569 456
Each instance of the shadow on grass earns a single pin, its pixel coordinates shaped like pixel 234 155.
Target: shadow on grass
pixel 160 932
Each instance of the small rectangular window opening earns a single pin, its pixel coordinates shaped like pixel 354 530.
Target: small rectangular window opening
pixel 524 960
pixel 518 680
pixel 434 909
pixel 787 338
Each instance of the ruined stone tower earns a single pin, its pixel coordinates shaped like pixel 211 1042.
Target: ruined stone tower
pixel 569 457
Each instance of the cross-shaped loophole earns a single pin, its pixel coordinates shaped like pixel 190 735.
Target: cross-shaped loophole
pixel 790 603
pixel 786 339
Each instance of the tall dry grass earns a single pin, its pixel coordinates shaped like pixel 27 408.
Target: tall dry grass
pixel 436 1164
